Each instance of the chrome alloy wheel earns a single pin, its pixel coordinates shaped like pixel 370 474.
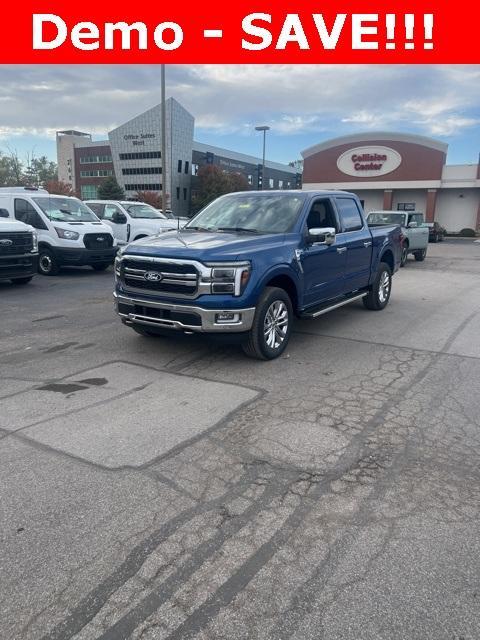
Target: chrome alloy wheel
pixel 384 287
pixel 275 325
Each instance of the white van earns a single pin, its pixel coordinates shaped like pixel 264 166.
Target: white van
pixel 69 233
pixel 131 220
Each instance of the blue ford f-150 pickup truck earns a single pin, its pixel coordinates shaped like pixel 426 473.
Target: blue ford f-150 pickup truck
pixel 249 262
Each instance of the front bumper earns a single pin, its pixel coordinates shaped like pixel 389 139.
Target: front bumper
pixel 18 266
pixel 166 315
pixel 82 257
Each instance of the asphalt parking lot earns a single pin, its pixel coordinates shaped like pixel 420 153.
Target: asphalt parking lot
pixel 173 489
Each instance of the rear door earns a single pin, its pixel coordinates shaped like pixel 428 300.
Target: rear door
pixel 357 239
pixel 323 265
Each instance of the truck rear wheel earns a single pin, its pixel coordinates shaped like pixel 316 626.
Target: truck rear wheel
pixel 379 294
pixel 404 256
pixel 272 325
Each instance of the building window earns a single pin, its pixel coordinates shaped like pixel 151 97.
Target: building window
pixel 271 183
pixel 194 169
pixel 88 191
pixel 186 167
pixel 178 193
pixel 95 159
pixel 185 193
pixel 97 173
pixel 250 179
pixel 179 166
pixel 141 155
pixel 406 206
pixel 143 187
pixel 141 171
pixel 280 184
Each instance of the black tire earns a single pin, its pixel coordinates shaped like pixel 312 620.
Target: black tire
pixel 404 256
pixel 22 280
pixel 47 263
pixel 420 255
pixel 274 306
pixel 100 266
pixel 379 294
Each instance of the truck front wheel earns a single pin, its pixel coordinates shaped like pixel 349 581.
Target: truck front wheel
pixel 272 325
pixel 379 294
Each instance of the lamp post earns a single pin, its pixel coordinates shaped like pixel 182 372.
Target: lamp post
pixel 164 141
pixel 263 128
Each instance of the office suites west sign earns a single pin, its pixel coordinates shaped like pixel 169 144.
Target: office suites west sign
pixel 253 31
pixel 369 162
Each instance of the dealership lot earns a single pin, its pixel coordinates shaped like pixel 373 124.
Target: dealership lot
pixel 172 488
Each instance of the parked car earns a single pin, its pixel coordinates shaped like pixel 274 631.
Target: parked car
pixel 168 213
pixel 69 233
pixel 129 220
pixel 436 233
pixel 413 228
pixel 250 261
pixel 18 250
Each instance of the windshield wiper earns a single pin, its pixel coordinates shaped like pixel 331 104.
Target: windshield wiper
pixel 195 228
pixel 237 229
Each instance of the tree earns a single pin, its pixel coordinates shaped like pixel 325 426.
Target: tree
pixel 7 172
pixel 42 170
pixel 152 198
pixel 110 190
pixel 213 182
pixel 59 188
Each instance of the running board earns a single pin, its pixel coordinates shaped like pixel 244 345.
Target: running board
pixel 319 311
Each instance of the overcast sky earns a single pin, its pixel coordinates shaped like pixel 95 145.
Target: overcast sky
pixel 303 104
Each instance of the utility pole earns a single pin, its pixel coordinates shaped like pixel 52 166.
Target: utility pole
pixel 164 140
pixel 263 128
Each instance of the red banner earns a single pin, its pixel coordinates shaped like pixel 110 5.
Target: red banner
pixel 246 32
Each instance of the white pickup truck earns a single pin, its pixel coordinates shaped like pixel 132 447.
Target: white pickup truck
pixel 18 250
pixel 131 220
pixel 414 230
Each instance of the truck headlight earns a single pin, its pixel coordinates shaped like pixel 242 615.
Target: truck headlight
pixel 229 278
pixel 66 234
pixel 34 242
pixel 118 267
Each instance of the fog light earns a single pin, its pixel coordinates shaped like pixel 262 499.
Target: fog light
pixel 223 287
pixel 226 317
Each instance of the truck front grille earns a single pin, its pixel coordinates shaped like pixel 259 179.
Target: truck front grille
pixel 15 243
pixel 97 240
pixel 165 277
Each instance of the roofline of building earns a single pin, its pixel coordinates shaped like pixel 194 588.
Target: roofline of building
pixel 242 157
pixel 381 136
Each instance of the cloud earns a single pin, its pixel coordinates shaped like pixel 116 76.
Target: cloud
pixel 230 100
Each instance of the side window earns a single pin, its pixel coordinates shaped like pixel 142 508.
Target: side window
pixel 416 217
pixel 96 207
pixel 322 215
pixel 109 210
pixel 26 213
pixel 349 214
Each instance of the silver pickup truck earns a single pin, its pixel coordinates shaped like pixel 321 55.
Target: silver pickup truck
pixel 414 230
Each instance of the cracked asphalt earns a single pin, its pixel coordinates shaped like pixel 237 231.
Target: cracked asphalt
pixel 168 489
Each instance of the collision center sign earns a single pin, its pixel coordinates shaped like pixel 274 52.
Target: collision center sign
pixel 369 162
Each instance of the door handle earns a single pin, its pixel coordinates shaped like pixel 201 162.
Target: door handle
pixel 367 244
pixel 341 249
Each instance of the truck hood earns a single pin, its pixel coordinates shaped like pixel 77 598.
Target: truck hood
pixel 205 246
pixel 10 225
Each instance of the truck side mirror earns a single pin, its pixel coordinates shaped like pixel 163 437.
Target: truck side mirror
pixel 412 225
pixel 4 213
pixel 119 218
pixel 321 235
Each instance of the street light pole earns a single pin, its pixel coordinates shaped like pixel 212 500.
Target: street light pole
pixel 164 140
pixel 263 128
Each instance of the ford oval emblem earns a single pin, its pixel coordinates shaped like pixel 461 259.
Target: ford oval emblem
pixel 6 242
pixel 152 276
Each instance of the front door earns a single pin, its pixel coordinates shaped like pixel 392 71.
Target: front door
pixel 120 231
pixel 417 236
pixel 323 265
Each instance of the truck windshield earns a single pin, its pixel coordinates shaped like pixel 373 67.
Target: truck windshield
pixel 255 213
pixel 61 209
pixel 143 211
pixel 386 218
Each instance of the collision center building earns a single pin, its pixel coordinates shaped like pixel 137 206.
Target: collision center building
pixel 397 171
